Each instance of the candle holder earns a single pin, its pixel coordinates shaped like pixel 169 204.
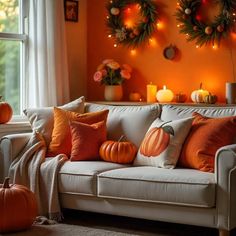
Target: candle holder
pixel 230 93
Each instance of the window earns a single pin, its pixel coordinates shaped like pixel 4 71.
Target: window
pixel 13 45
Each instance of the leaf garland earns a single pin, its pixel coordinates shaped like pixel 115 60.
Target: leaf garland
pixel 198 31
pixel 141 32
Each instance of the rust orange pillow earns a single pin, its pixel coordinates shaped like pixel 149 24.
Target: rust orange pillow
pixel 206 136
pixel 86 140
pixel 61 134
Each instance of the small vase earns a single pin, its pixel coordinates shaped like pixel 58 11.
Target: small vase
pixel 113 92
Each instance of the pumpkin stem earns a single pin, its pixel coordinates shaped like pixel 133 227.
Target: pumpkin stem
pixel 0 98
pixel 165 123
pixel 201 85
pixel 6 183
pixel 121 138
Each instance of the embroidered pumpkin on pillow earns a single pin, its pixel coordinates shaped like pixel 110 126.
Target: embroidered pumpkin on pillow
pixel 162 143
pixel 156 140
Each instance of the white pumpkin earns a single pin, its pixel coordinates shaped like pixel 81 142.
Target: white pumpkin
pixel 198 96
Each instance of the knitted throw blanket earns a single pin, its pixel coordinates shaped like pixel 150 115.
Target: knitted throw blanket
pixel 39 174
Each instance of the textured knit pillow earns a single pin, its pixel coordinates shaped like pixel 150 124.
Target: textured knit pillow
pixel 61 135
pixel 206 136
pixel 86 140
pixel 162 143
pixel 42 119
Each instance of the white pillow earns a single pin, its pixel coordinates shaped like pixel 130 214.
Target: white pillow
pixel 162 143
pixel 42 119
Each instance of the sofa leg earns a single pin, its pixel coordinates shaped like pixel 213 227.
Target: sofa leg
pixel 223 232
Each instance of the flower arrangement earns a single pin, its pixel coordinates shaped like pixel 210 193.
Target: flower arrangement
pixel 111 72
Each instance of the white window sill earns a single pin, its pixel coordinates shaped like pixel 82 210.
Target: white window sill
pixel 15 126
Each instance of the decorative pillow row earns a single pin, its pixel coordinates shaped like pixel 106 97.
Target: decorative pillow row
pixel 42 119
pixel 192 142
pixel 61 136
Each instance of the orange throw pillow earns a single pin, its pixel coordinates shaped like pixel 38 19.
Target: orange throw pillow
pixel 61 134
pixel 206 136
pixel 86 140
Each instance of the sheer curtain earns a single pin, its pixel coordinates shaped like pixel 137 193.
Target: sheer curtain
pixel 47 73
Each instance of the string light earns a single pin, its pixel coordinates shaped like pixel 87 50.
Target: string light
pixel 160 25
pixel 109 36
pixel 115 45
pixel 133 52
pixel 197 46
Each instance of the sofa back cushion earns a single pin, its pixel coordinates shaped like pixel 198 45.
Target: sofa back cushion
pixel 131 121
pixel 174 112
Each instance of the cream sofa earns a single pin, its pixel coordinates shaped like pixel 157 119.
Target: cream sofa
pixel 177 195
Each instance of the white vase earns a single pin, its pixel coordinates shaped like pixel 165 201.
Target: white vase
pixel 113 92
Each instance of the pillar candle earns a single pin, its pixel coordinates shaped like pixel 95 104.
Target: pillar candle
pixel 151 92
pixel 164 95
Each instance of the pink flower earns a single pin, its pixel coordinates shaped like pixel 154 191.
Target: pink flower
pixel 97 76
pixel 104 72
pixel 127 67
pixel 125 74
pixel 106 61
pixel 113 65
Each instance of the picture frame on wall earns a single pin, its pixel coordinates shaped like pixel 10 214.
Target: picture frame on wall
pixel 71 10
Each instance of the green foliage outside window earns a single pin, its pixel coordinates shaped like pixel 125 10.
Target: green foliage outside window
pixel 10 54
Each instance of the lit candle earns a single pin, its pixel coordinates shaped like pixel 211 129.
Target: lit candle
pixel 164 95
pixel 151 92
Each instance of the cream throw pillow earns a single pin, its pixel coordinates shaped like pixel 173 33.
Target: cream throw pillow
pixel 162 143
pixel 42 119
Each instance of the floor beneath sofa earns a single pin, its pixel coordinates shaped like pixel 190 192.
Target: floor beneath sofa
pixel 135 226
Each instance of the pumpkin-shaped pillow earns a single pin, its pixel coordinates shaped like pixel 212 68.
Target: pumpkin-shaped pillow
pixel 162 143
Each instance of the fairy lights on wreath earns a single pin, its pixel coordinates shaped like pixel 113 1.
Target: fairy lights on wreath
pixel 196 30
pixel 131 35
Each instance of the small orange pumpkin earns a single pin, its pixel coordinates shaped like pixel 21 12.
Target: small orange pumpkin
pixel 18 207
pixel 5 112
pixel 156 140
pixel 122 152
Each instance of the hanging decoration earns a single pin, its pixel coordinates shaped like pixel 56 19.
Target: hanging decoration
pixel 196 30
pixel 140 32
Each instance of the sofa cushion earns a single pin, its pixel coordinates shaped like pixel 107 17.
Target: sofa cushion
pixel 150 184
pixel 81 177
pixel 162 143
pixel 131 121
pixel 174 112
pixel 86 140
pixel 207 135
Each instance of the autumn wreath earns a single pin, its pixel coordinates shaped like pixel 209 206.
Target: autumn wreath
pixel 191 25
pixel 141 31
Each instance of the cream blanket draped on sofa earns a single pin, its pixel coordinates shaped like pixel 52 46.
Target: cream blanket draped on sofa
pixel 39 174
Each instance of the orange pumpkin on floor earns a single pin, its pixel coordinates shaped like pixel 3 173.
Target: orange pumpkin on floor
pixel 156 140
pixel 5 112
pixel 122 152
pixel 18 207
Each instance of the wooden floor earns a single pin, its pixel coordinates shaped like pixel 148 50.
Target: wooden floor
pixel 136 226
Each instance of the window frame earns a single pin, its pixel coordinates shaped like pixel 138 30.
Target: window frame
pixel 21 36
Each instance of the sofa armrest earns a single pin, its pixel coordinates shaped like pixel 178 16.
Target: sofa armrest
pixel 225 172
pixel 10 146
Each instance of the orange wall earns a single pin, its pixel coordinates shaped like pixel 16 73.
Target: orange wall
pixel 76 37
pixel 212 67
